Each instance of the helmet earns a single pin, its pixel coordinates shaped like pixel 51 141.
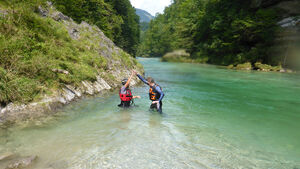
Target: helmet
pixel 124 81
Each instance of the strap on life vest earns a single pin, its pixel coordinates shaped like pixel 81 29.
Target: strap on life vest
pixel 126 97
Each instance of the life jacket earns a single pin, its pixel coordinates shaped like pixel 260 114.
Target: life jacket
pixel 126 97
pixel 153 93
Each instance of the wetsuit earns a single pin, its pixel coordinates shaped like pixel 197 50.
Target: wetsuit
pixel 155 94
pixel 126 102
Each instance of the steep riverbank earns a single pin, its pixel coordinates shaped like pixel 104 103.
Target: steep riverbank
pixel 53 61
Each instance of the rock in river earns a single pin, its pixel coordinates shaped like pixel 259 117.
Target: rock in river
pixel 22 162
pixel 6 156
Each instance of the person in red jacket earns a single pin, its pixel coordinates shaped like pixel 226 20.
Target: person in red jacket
pixel 125 93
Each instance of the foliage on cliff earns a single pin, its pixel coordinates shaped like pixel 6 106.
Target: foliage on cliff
pixel 37 53
pixel 213 31
pixel 117 19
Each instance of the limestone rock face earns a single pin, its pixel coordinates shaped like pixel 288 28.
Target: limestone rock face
pixel 15 112
pixel 287 41
pixel 289 22
pixel 290 8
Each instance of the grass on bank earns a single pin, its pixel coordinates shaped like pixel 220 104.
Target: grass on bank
pixel 31 47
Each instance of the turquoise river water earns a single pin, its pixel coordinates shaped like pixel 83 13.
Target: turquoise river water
pixel 213 118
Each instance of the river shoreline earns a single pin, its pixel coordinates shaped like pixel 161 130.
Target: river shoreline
pixel 246 66
pixel 13 113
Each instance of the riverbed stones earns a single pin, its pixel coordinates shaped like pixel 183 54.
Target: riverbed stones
pixel 22 162
pixel 6 156
pixel 58 165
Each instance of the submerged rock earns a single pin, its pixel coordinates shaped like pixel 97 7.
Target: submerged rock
pixel 58 165
pixel 6 156
pixel 22 163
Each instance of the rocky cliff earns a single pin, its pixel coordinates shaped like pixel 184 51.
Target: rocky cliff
pixel 287 44
pixel 118 65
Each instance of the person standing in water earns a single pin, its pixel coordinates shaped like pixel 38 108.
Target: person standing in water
pixel 155 93
pixel 125 93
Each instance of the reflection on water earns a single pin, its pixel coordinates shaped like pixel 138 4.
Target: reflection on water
pixel 213 118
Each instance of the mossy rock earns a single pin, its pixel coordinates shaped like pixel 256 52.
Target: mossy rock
pixel 176 56
pixel 266 68
pixel 230 66
pixel 245 66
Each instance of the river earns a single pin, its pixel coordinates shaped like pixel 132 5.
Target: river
pixel 213 118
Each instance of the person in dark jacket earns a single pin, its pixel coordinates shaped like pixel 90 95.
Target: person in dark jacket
pixel 155 93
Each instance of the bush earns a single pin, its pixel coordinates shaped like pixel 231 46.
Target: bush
pixel 177 56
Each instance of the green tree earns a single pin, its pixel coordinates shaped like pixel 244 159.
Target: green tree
pixel 116 18
pixel 130 34
pixel 214 31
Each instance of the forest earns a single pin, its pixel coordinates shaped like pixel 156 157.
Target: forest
pixel 117 19
pixel 219 32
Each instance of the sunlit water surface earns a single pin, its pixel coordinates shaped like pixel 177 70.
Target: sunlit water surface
pixel 213 118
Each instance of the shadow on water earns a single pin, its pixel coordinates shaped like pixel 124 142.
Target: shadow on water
pixel 155 119
pixel 125 117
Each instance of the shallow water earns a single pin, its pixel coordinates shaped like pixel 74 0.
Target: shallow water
pixel 213 118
